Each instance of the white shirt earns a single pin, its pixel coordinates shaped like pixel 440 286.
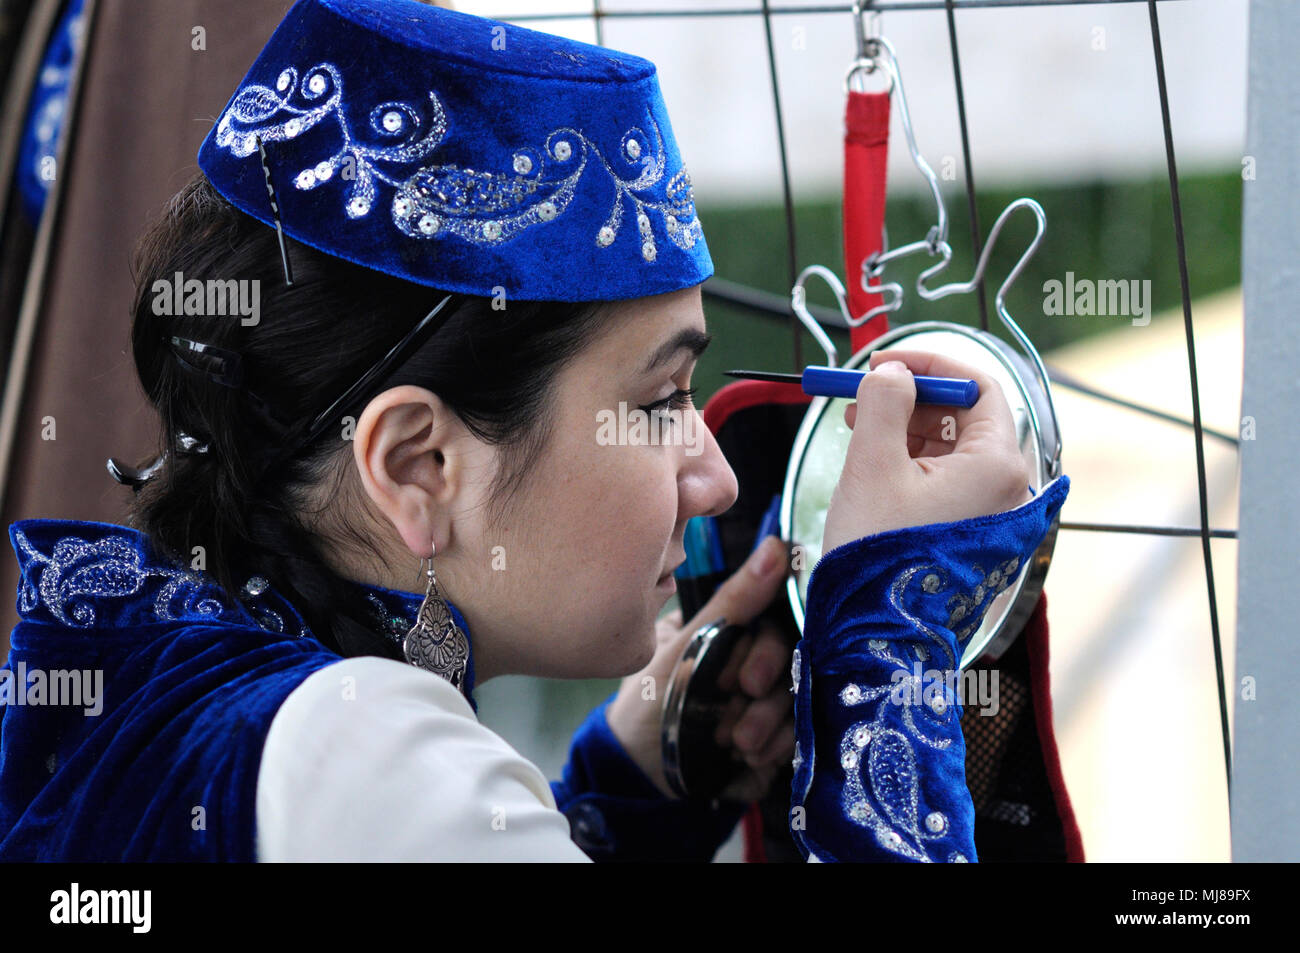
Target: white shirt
pixel 370 759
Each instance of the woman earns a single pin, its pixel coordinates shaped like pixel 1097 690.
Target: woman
pixel 418 376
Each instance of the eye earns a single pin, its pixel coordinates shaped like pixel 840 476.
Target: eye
pixel 677 400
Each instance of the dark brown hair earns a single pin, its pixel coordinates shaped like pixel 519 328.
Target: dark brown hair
pixel 495 368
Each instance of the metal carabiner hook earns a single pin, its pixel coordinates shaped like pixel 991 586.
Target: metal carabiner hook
pixel 868 47
pixel 864 35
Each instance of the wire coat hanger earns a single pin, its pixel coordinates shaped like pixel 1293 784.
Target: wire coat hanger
pixel 876 53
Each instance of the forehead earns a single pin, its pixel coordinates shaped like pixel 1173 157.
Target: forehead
pixel 638 326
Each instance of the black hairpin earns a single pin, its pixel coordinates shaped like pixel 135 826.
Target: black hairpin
pixel 227 369
pixel 275 212
pixel 227 366
pixel 135 478
pixel 131 476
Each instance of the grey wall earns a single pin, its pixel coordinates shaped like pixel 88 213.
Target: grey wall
pixel 1266 747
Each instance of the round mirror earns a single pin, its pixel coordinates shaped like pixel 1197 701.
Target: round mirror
pixel 821 446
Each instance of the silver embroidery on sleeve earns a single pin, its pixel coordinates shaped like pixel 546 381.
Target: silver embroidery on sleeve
pixel 482 207
pixel 78 571
pixel 888 803
pixel 972 608
pixel 962 607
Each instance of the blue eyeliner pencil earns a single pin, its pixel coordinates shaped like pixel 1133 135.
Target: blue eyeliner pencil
pixel 821 381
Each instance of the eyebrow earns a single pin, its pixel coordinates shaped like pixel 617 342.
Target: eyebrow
pixel 688 339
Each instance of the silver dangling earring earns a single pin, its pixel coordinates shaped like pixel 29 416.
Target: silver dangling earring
pixel 436 643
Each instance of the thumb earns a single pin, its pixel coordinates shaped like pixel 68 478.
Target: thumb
pixel 885 403
pixel 751 588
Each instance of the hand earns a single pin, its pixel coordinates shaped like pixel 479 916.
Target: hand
pixel 929 464
pixel 759 727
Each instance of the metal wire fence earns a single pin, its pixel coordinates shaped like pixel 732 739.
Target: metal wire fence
pixel 773 306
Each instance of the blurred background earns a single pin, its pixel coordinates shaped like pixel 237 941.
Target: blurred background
pixel 1062 105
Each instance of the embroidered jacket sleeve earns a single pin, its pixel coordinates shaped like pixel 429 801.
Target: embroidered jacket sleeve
pixel 879 755
pixel 616 813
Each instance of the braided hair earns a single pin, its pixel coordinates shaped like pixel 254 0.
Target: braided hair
pixel 494 368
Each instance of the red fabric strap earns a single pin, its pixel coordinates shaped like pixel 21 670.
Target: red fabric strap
pixel 866 150
pixel 1036 631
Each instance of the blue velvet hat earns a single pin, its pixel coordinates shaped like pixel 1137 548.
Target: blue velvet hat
pixel 463 153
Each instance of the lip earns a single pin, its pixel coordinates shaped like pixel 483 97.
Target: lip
pixel 667 581
pixel 680 563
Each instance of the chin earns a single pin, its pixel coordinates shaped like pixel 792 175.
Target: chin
pixel 624 652
pixel 647 653
pixel 634 652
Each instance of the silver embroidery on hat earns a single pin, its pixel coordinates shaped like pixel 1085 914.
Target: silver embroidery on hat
pixel 482 207
pixel 268 619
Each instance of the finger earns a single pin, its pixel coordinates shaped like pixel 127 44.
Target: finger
pixel 732 711
pixel 767 657
pixel 930 364
pixel 987 423
pixel 941 365
pixel 779 748
pixel 934 421
pixel 761 719
pixel 670 640
pixel 750 589
pixel 887 397
pixel 931 432
pixel 729 677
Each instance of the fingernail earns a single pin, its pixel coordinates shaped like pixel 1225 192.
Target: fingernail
pixel 765 558
pixel 892 366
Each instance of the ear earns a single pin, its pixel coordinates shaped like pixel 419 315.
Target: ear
pixel 411 452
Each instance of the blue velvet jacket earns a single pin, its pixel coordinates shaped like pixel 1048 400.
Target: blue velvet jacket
pixel 136 688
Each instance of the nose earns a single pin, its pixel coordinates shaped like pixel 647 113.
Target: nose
pixel 708 484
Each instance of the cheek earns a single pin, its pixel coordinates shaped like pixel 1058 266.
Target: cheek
pixel 622 508
pixel 598 532
pixel 620 503
pixel 640 505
